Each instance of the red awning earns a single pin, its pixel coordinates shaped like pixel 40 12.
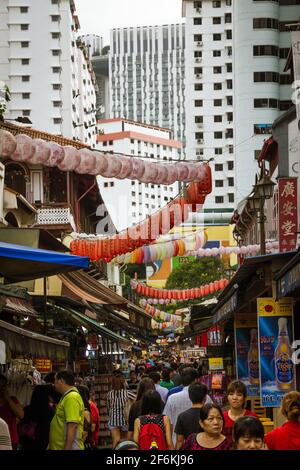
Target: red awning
pixel 18 306
pixel 269 150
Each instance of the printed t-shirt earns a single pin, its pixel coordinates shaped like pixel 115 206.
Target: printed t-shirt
pixel 188 422
pixel 70 409
pixel 286 437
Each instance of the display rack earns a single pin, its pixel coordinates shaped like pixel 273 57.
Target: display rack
pixel 101 387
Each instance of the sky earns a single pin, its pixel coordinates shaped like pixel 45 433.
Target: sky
pixel 99 16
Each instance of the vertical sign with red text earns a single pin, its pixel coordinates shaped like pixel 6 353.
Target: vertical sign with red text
pixel 288 217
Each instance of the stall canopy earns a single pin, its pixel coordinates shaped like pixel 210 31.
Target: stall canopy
pixel 22 263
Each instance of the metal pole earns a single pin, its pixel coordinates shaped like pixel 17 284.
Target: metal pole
pixel 45 305
pixel 262 219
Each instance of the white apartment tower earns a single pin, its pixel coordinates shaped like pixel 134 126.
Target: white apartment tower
pixel 94 44
pixel 147 81
pixel 46 68
pixel 209 99
pixel 262 90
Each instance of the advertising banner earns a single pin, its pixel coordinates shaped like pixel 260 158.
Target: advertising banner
pixel 215 363
pixel 247 356
pixel 287 213
pixel 275 328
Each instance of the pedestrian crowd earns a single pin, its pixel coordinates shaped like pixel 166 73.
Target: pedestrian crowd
pixel 159 407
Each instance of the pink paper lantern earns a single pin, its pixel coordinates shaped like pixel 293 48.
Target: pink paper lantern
pixel 8 143
pixel 201 252
pixel 24 149
pixel 114 166
pixel 193 172
pixel 138 168
pixel 172 174
pixel 101 163
pixel 162 173
pixel 87 162
pixel 71 159
pixel 182 171
pixel 57 154
pixel 126 168
pixel 41 152
pixel 150 173
pixel 207 252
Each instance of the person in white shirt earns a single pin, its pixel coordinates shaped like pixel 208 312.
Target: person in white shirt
pixel 155 376
pixel 5 441
pixel 180 402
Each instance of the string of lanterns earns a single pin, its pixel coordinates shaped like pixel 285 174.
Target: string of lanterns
pixel 23 148
pixel 159 315
pixel 180 295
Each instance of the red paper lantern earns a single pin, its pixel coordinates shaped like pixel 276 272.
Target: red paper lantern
pixel 211 288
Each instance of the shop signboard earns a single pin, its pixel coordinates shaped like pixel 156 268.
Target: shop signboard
pixel 43 365
pixel 246 353
pixel 287 213
pixel 215 363
pixel 275 329
pixel 226 310
pixel 289 281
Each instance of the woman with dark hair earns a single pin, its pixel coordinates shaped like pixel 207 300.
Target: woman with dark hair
pixel 287 436
pixel 116 402
pixel 136 408
pixel 211 438
pixel 166 381
pixel 236 396
pixel 152 419
pixel 248 433
pixel 87 424
pixel 35 426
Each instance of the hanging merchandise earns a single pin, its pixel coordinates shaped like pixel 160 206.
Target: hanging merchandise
pixel 85 161
pixel 180 295
pixel 22 377
pixel 144 233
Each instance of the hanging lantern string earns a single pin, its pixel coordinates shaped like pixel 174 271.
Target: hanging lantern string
pixel 148 157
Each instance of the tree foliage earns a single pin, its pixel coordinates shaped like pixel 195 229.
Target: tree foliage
pixel 196 273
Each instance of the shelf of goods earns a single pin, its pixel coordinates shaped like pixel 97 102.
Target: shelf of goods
pixel 102 385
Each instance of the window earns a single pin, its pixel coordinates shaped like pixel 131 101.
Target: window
pixel 285 105
pixel 25 61
pixel 197 21
pixel 219 184
pixel 286 79
pixel 24 9
pixel 266 77
pixel 265 50
pixel 198 103
pixel 57 104
pixel 217 118
pixel 26 112
pixel 55 35
pixel 55 2
pixel 230 181
pixel 257 154
pixel 57 120
pixel 218 151
pixel 56 69
pixel 218 135
pixel 229 84
pixel 229 67
pixel 216 4
pixel 230 197
pixel 197 54
pixel 217 102
pixel 229 117
pixel 218 167
pixel 217 37
pixel 262 128
pixel 198 119
pixel 198 70
pixel 198 86
pixel 230 149
pixel 228 3
pixel 284 25
pixel 228 18
pixel 197 37
pixel 25 96
pixel 219 199
pixel 198 135
pixel 230 165
pixel 229 100
pixel 24 43
pixel 229 133
pixel 284 52
pixel 228 34
pixel 217 86
pixel 289 2
pixel 217 53
pixel 217 69
pixel 56 52
pixel 217 20
pixel 57 86
pixel 265 103
pixel 25 78
pixel 198 4
pixel 55 18
pixel 24 27
pixel 265 23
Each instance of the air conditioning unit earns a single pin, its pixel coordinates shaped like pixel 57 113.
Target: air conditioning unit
pixel 198 75
pixel 198 10
pixel 200 125
pixel 198 152
pixel 200 141
pixel 199 43
pixel 198 59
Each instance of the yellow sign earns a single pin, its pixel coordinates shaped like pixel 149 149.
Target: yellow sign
pixel 215 363
pixel 269 307
pixel 144 353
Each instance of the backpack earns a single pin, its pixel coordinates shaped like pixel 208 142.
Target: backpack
pixel 151 434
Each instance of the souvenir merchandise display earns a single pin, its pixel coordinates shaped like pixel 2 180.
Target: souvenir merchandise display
pixel 22 377
pixel 101 387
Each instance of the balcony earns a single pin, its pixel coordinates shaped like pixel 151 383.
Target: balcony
pixel 55 217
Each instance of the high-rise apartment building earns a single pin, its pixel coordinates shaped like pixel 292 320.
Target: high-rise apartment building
pixel 147 76
pixel 94 44
pixel 46 68
pixel 129 202
pixel 235 88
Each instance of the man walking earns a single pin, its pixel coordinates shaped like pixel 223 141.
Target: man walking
pixel 66 427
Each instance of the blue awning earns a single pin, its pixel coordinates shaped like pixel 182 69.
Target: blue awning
pixel 22 263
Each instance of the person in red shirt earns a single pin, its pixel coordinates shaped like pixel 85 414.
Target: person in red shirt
pixel 236 396
pixel 287 436
pixel 95 424
pixel 10 410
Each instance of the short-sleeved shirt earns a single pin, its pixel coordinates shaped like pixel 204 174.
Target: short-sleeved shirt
pixel 192 444
pixel 5 442
pixel 70 409
pixel 286 437
pixel 188 422
pixel 228 423
pixel 9 417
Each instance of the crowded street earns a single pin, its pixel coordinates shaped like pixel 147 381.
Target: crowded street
pixel 149 228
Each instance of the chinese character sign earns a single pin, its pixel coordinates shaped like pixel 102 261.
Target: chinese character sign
pixel 288 217
pixel 275 331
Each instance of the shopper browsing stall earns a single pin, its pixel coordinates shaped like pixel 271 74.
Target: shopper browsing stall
pixel 10 411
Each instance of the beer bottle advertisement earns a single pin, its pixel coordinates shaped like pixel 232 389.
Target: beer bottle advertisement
pixel 277 371
pixel 247 354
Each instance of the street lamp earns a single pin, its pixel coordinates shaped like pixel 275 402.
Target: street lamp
pixel 262 190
